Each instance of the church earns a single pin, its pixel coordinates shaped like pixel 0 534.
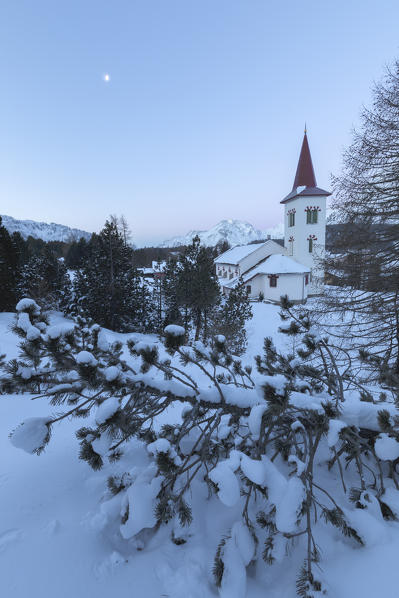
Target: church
pixel 270 270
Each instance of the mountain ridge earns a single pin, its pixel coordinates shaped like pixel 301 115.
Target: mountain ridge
pixel 235 232
pixel 47 231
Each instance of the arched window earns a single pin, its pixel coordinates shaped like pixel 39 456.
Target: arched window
pixel 291 217
pixel 311 239
pixel 273 280
pixel 312 214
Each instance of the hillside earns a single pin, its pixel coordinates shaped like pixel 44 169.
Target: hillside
pixel 43 230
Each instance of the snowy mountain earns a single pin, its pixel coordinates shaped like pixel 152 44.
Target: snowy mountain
pixel 43 230
pixel 236 232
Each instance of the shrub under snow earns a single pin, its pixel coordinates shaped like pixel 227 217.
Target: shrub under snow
pixel 285 450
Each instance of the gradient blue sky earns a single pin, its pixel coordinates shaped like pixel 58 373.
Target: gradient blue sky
pixel 203 116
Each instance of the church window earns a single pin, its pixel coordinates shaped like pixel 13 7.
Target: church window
pixel 273 280
pixel 249 289
pixel 306 278
pixel 312 215
pixel 291 219
pixel 311 239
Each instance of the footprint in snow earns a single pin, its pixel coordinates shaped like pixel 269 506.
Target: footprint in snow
pixel 107 567
pixel 8 537
pixel 4 477
pixel 53 527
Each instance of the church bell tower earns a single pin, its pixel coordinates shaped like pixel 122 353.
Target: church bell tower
pixel 305 220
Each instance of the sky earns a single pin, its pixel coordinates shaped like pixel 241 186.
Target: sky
pixel 203 114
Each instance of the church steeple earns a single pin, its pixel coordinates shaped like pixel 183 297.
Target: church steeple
pixel 304 176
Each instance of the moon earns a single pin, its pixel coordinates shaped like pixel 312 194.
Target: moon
pixel 106 77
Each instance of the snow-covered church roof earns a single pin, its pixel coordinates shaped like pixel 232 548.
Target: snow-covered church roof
pixel 237 254
pixel 277 264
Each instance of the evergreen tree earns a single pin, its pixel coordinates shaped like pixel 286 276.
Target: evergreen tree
pixel 76 254
pixel 191 286
pixel 365 256
pixel 221 247
pixel 45 279
pixel 108 289
pixel 234 313
pixel 21 248
pixel 9 263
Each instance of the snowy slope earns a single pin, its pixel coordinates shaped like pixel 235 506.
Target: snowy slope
pixel 53 543
pixel 43 230
pixel 236 232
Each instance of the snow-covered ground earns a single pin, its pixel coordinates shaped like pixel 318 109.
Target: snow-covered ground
pixel 52 541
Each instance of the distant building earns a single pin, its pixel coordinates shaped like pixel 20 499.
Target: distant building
pixel 270 270
pixel 157 270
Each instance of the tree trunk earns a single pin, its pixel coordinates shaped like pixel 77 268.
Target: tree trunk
pixel 197 324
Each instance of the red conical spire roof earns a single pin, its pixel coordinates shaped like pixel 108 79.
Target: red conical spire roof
pixel 304 176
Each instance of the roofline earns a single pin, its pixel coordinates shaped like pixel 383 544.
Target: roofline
pixel 319 193
pixel 257 245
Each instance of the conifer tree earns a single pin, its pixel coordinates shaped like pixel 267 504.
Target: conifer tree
pixel 45 279
pixel 76 254
pixel 21 248
pixel 365 256
pixel 108 289
pixel 9 264
pixel 191 285
pixel 231 319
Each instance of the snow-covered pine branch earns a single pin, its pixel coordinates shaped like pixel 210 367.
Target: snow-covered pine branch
pixel 282 449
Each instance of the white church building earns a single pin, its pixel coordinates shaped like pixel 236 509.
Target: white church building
pixel 270 270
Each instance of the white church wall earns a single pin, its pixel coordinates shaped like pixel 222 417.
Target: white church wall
pixel 292 285
pixel 301 232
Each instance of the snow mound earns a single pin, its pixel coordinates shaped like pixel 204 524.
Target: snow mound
pixel 227 483
pixel 141 502
pixel 31 435
pixel 86 358
pixel 25 304
pixel 107 409
pixel 175 330
pixel 387 448
pixel 111 373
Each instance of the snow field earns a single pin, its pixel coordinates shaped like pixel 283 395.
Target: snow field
pixel 52 522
